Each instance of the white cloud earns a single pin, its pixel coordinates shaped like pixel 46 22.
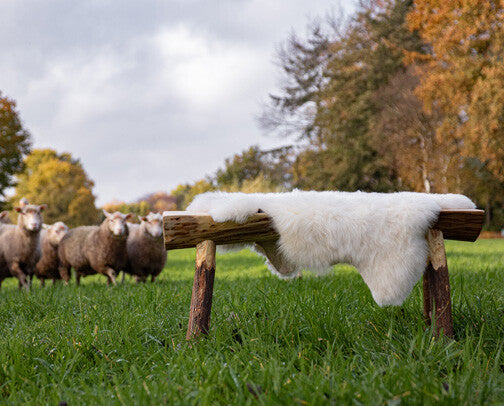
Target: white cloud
pixel 205 71
pixel 147 94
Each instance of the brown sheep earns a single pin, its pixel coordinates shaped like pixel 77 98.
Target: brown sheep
pixel 146 252
pixel 95 249
pixel 47 266
pixel 19 244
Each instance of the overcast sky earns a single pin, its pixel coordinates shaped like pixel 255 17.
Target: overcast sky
pixel 147 94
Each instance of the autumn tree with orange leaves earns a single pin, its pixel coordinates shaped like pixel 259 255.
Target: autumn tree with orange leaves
pixel 60 181
pixel 463 76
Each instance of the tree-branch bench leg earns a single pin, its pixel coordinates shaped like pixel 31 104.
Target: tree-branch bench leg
pixel 201 300
pixel 436 286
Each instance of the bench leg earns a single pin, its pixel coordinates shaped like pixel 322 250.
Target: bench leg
pixel 436 286
pixel 201 300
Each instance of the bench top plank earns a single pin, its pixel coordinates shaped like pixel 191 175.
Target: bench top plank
pixel 184 229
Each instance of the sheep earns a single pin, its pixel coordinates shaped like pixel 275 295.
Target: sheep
pixel 47 266
pixel 4 215
pixel 145 248
pixel 4 218
pixel 20 245
pixel 95 249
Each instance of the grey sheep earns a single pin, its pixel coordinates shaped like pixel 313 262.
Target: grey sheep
pixel 47 266
pixel 95 249
pixel 19 244
pixel 146 252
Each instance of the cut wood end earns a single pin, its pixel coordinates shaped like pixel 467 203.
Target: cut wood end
pixel 437 254
pixel 205 254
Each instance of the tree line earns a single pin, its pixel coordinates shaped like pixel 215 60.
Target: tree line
pixel 403 95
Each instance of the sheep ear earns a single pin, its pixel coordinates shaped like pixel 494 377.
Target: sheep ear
pixel 42 207
pixel 18 209
pixel 106 213
pixel 46 226
pixel 128 216
pixel 3 214
pixel 143 218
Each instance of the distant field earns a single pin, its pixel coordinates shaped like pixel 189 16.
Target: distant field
pixel 311 341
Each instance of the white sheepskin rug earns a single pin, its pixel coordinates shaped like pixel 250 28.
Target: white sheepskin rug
pixel 383 235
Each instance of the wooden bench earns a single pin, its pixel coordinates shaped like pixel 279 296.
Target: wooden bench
pixel 185 230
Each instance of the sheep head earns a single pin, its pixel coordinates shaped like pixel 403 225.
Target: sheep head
pixel 153 224
pixel 56 232
pixel 116 222
pixel 30 217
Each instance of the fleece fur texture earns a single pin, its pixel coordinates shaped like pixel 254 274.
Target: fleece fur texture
pixel 381 234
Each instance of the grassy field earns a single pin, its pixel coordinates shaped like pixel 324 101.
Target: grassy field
pixel 310 341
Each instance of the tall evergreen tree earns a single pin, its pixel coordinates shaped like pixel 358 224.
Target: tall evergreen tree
pixel 365 59
pixel 335 77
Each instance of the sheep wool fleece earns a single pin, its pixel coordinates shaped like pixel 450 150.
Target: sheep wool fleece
pixel 383 235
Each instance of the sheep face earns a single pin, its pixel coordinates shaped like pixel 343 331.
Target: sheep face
pixel 56 232
pixel 153 224
pixel 30 216
pixel 116 222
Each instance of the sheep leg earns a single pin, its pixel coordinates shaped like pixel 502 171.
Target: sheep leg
pixel 123 277
pixel 78 275
pixel 18 273
pixel 152 278
pixel 42 282
pixel 110 274
pixel 64 272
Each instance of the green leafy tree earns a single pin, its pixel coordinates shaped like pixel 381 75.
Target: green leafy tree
pixel 365 59
pixel 259 184
pixel 335 78
pixel 140 208
pixel 186 193
pixel 14 144
pixel 59 181
pixel 275 166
